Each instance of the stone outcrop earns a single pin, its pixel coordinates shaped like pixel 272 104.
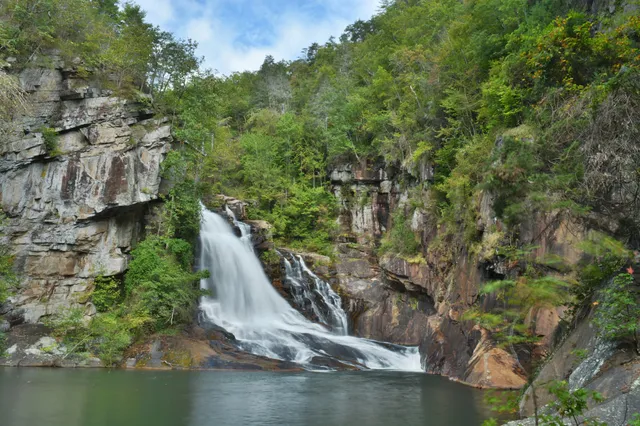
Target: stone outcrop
pixel 77 174
pixel 585 360
pixel 422 301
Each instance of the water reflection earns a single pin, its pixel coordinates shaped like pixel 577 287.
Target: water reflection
pixel 124 398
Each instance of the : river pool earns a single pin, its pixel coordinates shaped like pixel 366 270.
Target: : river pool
pixel 68 397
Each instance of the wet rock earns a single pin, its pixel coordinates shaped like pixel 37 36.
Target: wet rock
pixel 238 207
pixel 4 326
pixel 15 317
pixel 189 351
pixel 325 363
pixel 261 234
pixel 211 331
pixel 6 307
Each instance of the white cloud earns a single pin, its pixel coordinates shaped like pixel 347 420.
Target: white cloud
pixel 232 42
pixel 159 12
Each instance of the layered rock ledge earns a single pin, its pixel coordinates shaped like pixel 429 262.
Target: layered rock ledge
pixel 78 172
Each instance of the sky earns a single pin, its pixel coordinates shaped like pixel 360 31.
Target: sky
pixel 236 35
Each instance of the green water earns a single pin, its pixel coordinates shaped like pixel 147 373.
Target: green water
pixel 66 397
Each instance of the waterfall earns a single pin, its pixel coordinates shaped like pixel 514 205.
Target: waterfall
pixel 244 302
pixel 308 289
pixel 245 230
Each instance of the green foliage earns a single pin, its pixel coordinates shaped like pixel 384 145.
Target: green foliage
pixel 3 344
pixel 50 137
pixel 570 404
pixel 305 220
pixel 605 256
pixel 69 325
pixel 107 293
pixel 111 335
pixel 181 213
pixel 160 283
pixel 106 336
pixel 270 257
pixel 618 312
pixel 8 277
pixel 12 98
pixel 534 287
pixel 502 402
pixel 635 421
pixel 400 239
pixel 113 43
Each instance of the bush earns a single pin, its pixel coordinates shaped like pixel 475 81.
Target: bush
pixel 50 137
pixel 12 98
pixel 400 239
pixel 571 404
pixel 111 335
pixel 107 293
pixel 160 282
pixel 3 344
pixel 8 278
pixel 306 220
pixel 106 336
pixel 618 312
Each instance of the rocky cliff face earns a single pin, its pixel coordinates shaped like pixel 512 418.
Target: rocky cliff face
pixel 422 301
pixel 77 174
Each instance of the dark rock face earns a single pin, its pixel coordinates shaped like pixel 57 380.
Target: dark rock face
pixel 76 215
pixel 608 368
pixel 418 302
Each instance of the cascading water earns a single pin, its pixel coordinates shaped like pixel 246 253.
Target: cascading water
pixel 324 302
pixel 245 230
pixel 243 302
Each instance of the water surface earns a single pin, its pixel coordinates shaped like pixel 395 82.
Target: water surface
pixel 66 397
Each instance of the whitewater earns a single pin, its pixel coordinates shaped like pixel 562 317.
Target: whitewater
pixel 242 300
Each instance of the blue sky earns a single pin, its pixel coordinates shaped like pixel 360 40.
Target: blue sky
pixel 236 35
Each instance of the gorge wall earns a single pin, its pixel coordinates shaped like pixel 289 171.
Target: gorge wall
pixel 78 172
pixel 422 300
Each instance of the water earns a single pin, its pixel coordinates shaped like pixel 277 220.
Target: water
pixel 244 302
pixel 245 230
pixel 309 290
pixel 70 397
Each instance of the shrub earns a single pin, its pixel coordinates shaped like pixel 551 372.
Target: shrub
pixel 400 239
pixel 50 137
pixel 107 293
pixel 8 278
pixel 160 282
pixel 107 335
pixel 618 312
pixel 12 98
pixel 571 404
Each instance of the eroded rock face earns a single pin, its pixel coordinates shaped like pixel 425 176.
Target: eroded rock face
pixel 422 301
pixel 75 209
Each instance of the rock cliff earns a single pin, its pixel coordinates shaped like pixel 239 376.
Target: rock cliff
pixel 78 172
pixel 421 301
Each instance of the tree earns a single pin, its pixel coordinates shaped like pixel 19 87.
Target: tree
pixel 130 48
pixel 618 312
pixel 172 63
